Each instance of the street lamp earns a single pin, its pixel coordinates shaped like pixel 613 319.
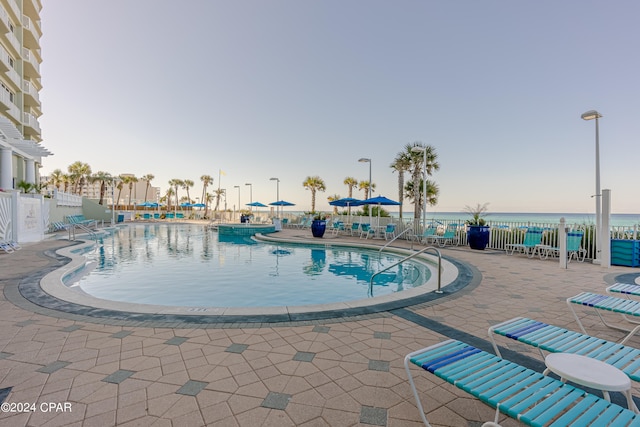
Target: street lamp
pixel 590 115
pixel 365 160
pixel 250 195
pixel 424 184
pixel 277 180
pixel 238 187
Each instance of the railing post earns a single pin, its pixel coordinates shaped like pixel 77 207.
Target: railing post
pixel 562 243
pixel 605 231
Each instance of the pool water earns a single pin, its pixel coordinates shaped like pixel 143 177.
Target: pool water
pixel 187 265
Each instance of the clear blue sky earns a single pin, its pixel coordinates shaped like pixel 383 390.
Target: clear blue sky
pixel 289 88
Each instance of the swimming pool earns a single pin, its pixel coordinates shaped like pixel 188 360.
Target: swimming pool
pixel 187 265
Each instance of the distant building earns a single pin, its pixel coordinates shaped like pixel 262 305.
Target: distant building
pixel 20 150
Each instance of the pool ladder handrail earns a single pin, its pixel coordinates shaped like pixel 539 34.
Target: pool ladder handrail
pixel 72 232
pixel 408 257
pixel 397 237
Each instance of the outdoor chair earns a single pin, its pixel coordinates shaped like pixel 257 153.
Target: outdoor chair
pixel 450 236
pixel 5 246
pixel 390 231
pixel 364 230
pixel 574 248
pixel 518 392
pixel 355 228
pixel 532 238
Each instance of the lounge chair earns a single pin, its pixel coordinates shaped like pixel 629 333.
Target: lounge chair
pixel 427 235
pixel 625 289
pixel 623 306
pixel 574 248
pixel 532 237
pixel 5 246
pixel 450 236
pixel 521 393
pixel 336 227
pixel 355 228
pixel 365 228
pixel 554 339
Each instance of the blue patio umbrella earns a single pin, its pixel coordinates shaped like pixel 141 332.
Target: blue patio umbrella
pixel 282 203
pixel 198 205
pixel 257 205
pixel 348 202
pixel 380 200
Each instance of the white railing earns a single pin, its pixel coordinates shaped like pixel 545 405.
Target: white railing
pixel 67 199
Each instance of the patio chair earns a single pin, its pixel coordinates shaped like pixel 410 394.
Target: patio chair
pixel 574 248
pixel 336 227
pixel 5 246
pixel 390 231
pixel 365 228
pixel 518 392
pixel 554 339
pixel 450 236
pixel 628 309
pixel 427 235
pixel 532 238
pixel 355 228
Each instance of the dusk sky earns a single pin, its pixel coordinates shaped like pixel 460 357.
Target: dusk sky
pixel 290 88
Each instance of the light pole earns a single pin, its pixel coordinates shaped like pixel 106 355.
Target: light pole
pixel 250 195
pixel 277 180
pixel 590 115
pixel 365 160
pixel 238 187
pixel 424 185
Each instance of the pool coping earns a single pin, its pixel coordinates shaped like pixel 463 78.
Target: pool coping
pixel 45 291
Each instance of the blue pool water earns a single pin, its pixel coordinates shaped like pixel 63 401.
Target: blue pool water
pixel 187 265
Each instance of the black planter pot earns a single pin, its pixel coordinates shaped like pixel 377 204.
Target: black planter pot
pixel 318 227
pixel 478 236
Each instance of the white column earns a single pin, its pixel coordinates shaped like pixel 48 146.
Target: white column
pixel 605 234
pixel 30 172
pixel 562 243
pixel 6 169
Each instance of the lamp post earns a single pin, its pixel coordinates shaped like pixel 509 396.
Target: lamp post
pixel 591 115
pixel 365 160
pixel 424 184
pixel 250 195
pixel 238 187
pixel 277 180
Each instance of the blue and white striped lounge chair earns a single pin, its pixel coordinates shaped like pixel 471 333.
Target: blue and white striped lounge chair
pixel 554 339
pixel 626 289
pixel 5 246
pixel 532 238
pixel 521 393
pixel 602 303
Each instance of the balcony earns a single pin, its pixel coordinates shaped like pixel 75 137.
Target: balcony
pixel 31 125
pixel 5 101
pixel 31 95
pixel 14 9
pixel 31 33
pixel 14 77
pixel 5 65
pixel 4 20
pixel 32 7
pixel 31 67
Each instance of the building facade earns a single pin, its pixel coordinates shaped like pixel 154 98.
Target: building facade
pixel 20 83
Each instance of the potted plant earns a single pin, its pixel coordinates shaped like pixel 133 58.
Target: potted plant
pixel 319 224
pixel 477 231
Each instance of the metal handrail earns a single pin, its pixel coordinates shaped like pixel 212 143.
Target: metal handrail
pixel 396 238
pixel 72 231
pixel 408 257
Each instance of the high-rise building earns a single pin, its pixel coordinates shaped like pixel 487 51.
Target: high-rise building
pixel 20 83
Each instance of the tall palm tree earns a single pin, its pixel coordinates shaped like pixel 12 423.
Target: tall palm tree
pixel 218 193
pixel 147 178
pixel 333 198
pixel 187 184
pixel 175 183
pixel 401 164
pixel 433 191
pixel 56 178
pixel 79 172
pixel 350 182
pixel 364 185
pixel 168 197
pixel 314 184
pixel 129 180
pixel 417 160
pixel 103 178
pixel 120 186
pixel 67 181
pixel 206 180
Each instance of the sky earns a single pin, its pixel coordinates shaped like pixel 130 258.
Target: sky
pixel 290 89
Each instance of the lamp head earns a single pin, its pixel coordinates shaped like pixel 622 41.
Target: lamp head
pixel 418 149
pixel 274 179
pixel 248 183
pixel 590 115
pixel 364 160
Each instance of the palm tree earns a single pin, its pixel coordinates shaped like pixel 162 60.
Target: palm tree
pixel 167 198
pixel 314 183
pixel 364 185
pixel 350 182
pixel 175 183
pixel 147 178
pixel 120 186
pixel 417 160
pixel 206 180
pixel 129 180
pixel 333 198
pixel 79 172
pixel 67 181
pixel 433 191
pixel 401 164
pixel 103 178
pixel 186 184
pixel 218 193
pixel 56 178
